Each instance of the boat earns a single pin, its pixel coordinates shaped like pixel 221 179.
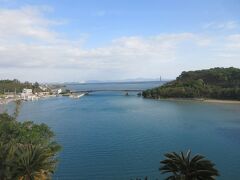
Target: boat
pixel 76 96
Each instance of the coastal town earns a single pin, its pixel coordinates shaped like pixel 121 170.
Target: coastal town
pixel 14 90
pixel 28 94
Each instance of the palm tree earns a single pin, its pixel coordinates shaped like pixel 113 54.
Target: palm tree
pixel 6 154
pixel 33 162
pixel 184 167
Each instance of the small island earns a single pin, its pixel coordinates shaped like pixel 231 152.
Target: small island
pixel 215 83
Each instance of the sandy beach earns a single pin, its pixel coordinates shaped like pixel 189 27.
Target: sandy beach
pixel 221 101
pixel 203 100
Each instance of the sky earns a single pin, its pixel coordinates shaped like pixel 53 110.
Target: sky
pixel 81 40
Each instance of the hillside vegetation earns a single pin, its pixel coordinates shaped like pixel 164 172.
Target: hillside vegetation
pixel 12 85
pixel 215 83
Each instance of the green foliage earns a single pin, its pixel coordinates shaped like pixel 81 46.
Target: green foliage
pixel 217 83
pixel 16 85
pixel 27 150
pixel 32 161
pixel 184 167
pixel 17 108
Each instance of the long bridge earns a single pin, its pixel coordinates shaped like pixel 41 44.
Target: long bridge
pixel 107 90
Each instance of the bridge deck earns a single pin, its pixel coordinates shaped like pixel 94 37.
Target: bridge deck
pixel 108 90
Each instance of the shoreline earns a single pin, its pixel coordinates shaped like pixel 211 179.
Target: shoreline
pixel 218 101
pixel 222 101
pixel 4 101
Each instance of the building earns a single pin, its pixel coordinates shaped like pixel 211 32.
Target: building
pixel 27 94
pixel 27 91
pixel 56 91
pixel 59 91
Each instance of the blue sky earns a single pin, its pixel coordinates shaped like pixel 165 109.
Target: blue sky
pixel 66 40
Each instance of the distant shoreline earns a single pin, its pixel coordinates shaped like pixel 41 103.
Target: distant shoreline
pixel 220 101
pixel 114 82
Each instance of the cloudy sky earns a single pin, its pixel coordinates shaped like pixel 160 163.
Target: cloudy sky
pixel 79 40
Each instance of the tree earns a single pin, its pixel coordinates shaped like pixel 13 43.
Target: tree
pixel 184 167
pixel 27 150
pixel 17 108
pixel 33 162
pixel 217 83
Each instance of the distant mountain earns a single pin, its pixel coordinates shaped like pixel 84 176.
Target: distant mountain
pixel 217 83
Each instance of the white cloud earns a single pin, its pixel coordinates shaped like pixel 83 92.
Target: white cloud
pixel 231 48
pixel 28 41
pixel 228 25
pixel 234 37
pixel 26 23
pixel 126 52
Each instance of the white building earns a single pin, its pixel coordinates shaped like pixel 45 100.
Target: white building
pixel 27 91
pixel 56 91
pixel 28 95
pixel 59 91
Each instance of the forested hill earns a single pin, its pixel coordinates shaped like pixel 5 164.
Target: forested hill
pixel 12 85
pixel 216 83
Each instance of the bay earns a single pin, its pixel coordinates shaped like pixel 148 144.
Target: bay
pixel 107 135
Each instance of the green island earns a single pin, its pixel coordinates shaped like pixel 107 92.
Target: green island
pixel 215 83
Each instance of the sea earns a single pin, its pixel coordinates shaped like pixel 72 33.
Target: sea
pixel 107 135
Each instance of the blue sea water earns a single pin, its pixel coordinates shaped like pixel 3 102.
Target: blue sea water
pixel 110 136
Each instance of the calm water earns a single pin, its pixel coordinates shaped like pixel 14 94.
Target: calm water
pixel 111 136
